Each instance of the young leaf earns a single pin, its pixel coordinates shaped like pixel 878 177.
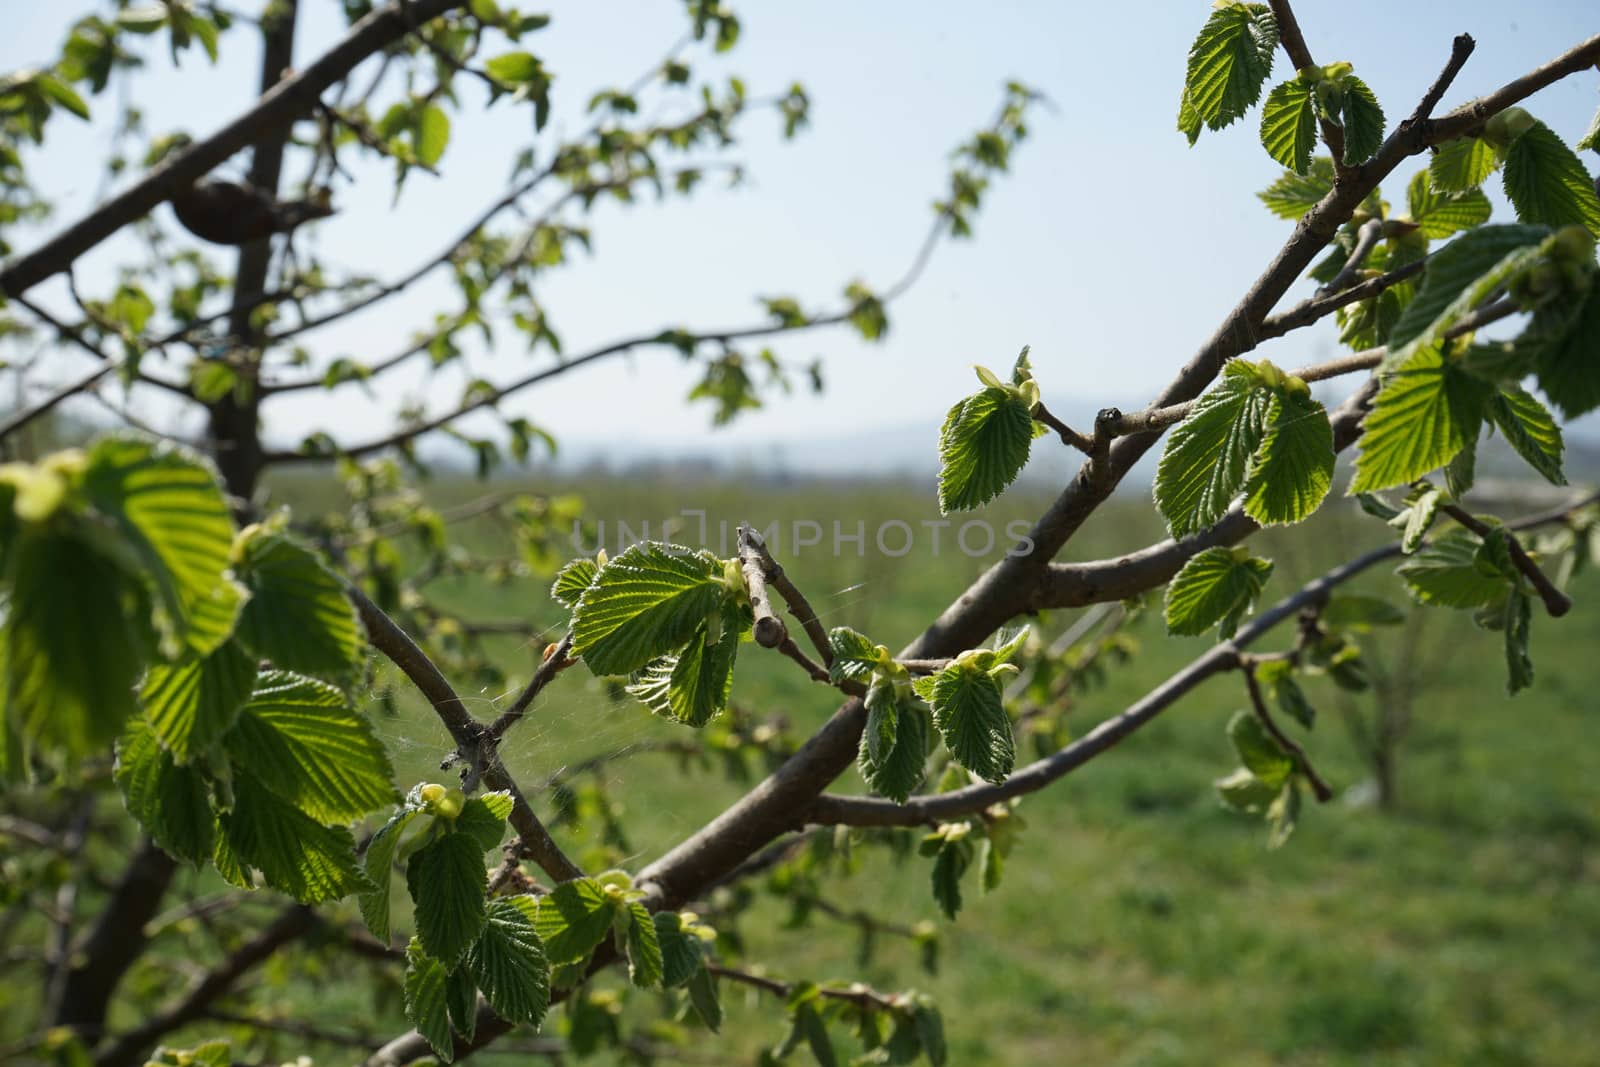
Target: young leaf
pixel 969 712
pixel 193 703
pixel 1422 507
pixel 1246 794
pixel 854 655
pixel 1216 585
pixel 508 962
pixel 572 580
pixel 447 881
pixel 1229 62
pixel 704 998
pixel 1530 430
pixel 692 687
pixel 1427 411
pixel 983 446
pixel 1547 183
pixel 432 135
pixel 166 507
pixel 1289 124
pixel 949 864
pixel 297 616
pixel 1517 618
pixel 1293 467
pixel 1569 368
pixel 643 604
pixel 484 818
pixel 1362 120
pixel 645 963
pixel 1259 751
pixel 379 866
pixel 899 773
pixel 69 608
pixel 574 917
pixel 1455 270
pixel 1441 215
pixel 1278 682
pixel 172 803
pixel 680 949
pixel 426 1000
pixel 1446 573
pixel 1207 455
pixel 301 739
pixel 296 854
pixel 1292 195
pixel 1461 165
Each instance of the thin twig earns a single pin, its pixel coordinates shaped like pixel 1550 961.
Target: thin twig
pixel 1258 704
pixel 769 629
pixel 799 607
pixel 1556 602
pixel 555 661
pixel 1367 238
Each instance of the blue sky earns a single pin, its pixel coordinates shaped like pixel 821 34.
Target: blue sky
pixel 1113 248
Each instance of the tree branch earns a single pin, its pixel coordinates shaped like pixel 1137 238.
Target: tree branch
pixel 292 98
pixel 1556 602
pixel 872 811
pixel 1258 705
pixel 472 740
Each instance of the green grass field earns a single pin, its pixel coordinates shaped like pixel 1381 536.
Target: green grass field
pixel 1138 923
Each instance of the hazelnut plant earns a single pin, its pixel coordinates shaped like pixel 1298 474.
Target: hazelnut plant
pixel 171 639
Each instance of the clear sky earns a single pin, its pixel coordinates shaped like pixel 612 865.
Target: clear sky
pixel 1113 248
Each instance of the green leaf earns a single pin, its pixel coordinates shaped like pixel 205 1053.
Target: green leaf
pixel 1591 138
pixel 1360 611
pixel 1289 125
pixel 509 965
pixel 1278 683
pixel 1426 411
pixel 929 1023
pixel 1530 430
pixel 1547 183
pixel 1207 455
pixel 1455 271
pixel 645 962
pixel 1445 573
pixel 681 950
pixel 1461 165
pixel 704 998
pixel 1259 751
pixel 1517 619
pixel 572 580
pixel 1569 368
pixel 1229 62
pixel 63 94
pixel 298 616
pixel 514 68
pixel 983 446
pixel 172 803
pixel 1422 507
pixel 379 867
pixel 1246 794
pixel 949 864
pixel 901 771
pixel 1441 215
pixel 427 1002
pixel 1292 195
pixel 461 996
pixel 300 738
pixel 693 686
pixel 191 704
pixel 296 854
pixel 643 604
pixel 447 881
pixel 1216 585
pixel 574 918
pixel 483 817
pixel 169 513
pixel 854 655
pixel 1362 120
pixel 69 607
pixel 432 134
pixel 970 715
pixel 1292 468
